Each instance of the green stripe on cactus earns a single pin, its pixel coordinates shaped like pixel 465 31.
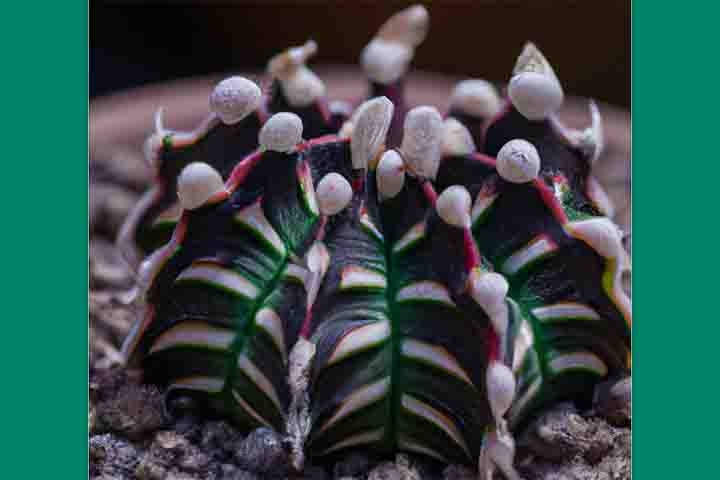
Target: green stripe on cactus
pixel 545 267
pixel 398 355
pixel 208 297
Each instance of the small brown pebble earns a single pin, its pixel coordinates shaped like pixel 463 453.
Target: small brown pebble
pixel 168 440
pixel 133 411
pixel 263 451
pixel 561 433
pixel 172 456
pixel 401 469
pixel 112 457
pixel 220 439
pixel 148 470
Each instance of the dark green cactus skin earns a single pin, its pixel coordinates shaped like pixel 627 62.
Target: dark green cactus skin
pixel 391 326
pixel 573 272
pixel 209 301
pixel 402 348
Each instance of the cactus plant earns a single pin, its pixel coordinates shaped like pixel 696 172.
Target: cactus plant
pixel 390 279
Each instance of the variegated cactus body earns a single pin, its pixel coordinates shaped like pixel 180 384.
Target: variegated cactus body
pixel 406 283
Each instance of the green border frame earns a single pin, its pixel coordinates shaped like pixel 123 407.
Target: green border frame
pixel 44 239
pixel 44 396
pixel 675 260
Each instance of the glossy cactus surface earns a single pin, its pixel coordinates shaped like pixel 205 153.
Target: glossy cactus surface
pixel 379 283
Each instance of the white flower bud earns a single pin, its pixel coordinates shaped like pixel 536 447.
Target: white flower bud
pixel 303 88
pixel 388 55
pixel 500 389
pixel 300 85
pixel 385 62
pixel 408 27
pixel 422 141
pixel 457 139
pixel 285 63
pixel 489 290
pixel 453 206
pixel 534 89
pixel 518 161
pixel 390 174
pixel 281 133
pixel 601 234
pixel 476 97
pixel 197 183
pixel 370 124
pixel 333 193
pixel 234 98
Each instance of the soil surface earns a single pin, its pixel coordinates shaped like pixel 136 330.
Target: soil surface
pixel 132 437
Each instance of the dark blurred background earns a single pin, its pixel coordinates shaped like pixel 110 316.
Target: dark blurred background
pixel 588 42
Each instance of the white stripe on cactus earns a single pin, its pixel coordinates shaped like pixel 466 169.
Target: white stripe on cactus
pixel 253 218
pixel 170 215
pixel 424 291
pixel 197 383
pixel 537 248
pixel 524 400
pixel 370 227
pixel 194 334
pixel 219 277
pixel 483 201
pixel 308 188
pixel 270 322
pixel 354 276
pixel 601 234
pixel 359 399
pixel 436 417
pixel 297 273
pixel 523 341
pixel 411 237
pixel 406 444
pixel 436 356
pixel 578 361
pixel 249 410
pixel 359 439
pixel 246 366
pixel 565 310
pixel 360 339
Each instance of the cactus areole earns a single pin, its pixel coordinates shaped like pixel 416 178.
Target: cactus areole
pixel 379 277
